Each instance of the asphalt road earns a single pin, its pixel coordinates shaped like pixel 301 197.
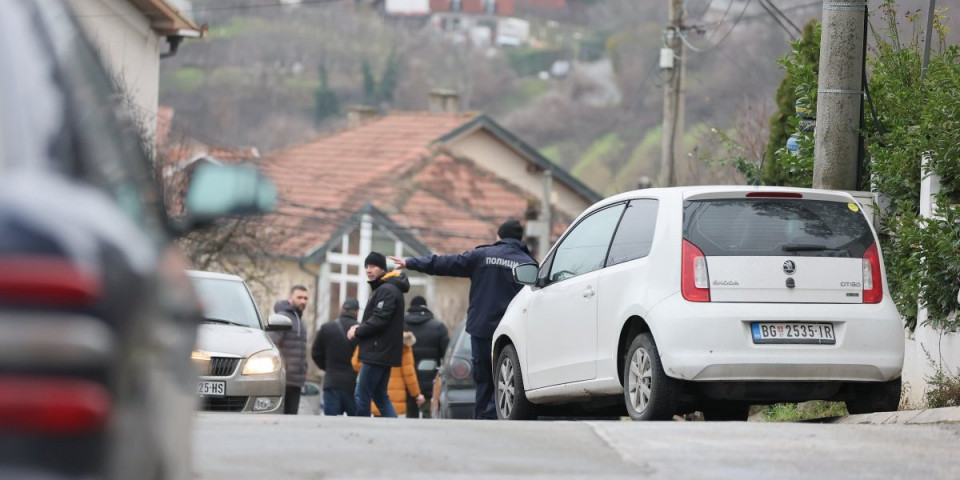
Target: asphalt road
pixel 231 446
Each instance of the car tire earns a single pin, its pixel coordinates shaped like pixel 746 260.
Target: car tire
pixel 511 400
pixel 726 412
pixel 648 392
pixel 874 397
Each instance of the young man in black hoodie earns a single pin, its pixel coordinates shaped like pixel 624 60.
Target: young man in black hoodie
pixel 379 335
pixel 332 352
pixel 490 270
pixel 432 339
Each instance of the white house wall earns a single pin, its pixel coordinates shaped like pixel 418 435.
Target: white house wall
pixel 129 48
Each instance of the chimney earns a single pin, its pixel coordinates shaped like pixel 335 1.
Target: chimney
pixel 359 114
pixel 443 101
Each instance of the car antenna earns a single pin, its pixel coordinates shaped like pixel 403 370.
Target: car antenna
pixel 760 169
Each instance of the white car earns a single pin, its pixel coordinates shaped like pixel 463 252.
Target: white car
pixel 704 299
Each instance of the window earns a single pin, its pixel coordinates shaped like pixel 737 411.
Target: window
pixel 635 233
pixel 456 5
pixel 584 249
pixel 772 227
pixel 490 7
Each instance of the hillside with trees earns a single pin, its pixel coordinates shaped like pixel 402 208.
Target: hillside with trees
pixel 270 75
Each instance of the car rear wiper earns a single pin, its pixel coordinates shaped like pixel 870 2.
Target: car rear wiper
pixel 804 247
pixel 225 322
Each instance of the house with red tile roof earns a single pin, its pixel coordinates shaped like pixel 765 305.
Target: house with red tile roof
pixel 406 184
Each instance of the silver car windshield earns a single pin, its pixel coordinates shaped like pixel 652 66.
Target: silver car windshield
pixel 227 301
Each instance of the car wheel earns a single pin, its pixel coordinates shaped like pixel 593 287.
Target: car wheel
pixel 649 393
pixel 874 397
pixel 726 412
pixel 512 403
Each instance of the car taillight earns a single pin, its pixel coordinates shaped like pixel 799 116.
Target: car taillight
pixel 460 369
pixel 53 406
pixel 53 281
pixel 694 281
pixel 872 281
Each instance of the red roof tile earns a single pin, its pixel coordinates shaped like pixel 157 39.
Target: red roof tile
pixel 449 204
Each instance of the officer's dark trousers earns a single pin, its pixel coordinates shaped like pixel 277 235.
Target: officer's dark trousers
pixel 483 376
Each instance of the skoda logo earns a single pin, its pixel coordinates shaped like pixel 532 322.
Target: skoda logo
pixel 789 267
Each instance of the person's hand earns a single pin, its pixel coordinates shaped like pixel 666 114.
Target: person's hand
pixel 420 400
pixel 352 333
pixel 401 263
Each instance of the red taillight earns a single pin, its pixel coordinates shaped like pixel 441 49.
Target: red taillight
pixel 53 406
pixel 694 281
pixel 460 369
pixel 872 281
pixel 774 195
pixel 46 281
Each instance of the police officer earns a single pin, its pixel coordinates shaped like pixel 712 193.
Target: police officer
pixel 490 269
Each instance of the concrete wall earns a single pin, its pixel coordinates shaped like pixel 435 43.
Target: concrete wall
pixel 129 48
pixel 493 155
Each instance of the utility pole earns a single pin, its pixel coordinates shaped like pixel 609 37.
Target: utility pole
pixel 839 95
pixel 928 37
pixel 672 62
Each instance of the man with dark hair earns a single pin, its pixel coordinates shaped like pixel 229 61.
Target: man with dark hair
pixel 432 339
pixel 490 269
pixel 380 335
pixel 293 346
pixel 332 351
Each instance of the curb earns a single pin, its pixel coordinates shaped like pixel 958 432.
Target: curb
pixel 904 417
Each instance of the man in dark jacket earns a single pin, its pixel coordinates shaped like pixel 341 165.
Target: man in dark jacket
pixel 332 352
pixel 380 335
pixel 432 339
pixel 490 269
pixel 293 346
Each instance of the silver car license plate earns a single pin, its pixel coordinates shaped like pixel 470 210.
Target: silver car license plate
pixel 212 389
pixel 789 332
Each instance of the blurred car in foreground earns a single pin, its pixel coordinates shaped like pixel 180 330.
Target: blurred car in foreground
pixel 240 368
pixel 454 390
pixel 97 318
pixel 311 399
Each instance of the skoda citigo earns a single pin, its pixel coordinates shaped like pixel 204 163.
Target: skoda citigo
pixel 705 299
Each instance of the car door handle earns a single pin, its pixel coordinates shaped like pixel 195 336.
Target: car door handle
pixel 588 292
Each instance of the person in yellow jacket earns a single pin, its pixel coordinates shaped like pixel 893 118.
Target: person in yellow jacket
pixel 403 379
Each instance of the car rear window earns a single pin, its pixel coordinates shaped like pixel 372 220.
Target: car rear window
pixel 775 227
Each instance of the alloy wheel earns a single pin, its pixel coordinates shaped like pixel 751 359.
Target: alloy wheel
pixel 640 380
pixel 506 388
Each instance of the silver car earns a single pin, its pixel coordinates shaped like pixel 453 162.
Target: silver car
pixel 239 367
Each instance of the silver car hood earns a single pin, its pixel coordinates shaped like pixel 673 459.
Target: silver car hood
pixel 230 340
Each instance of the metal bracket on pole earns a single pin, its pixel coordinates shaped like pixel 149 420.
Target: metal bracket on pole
pixel 844 5
pixel 840 91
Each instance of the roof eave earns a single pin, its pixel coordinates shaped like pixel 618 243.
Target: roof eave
pixel 166 19
pixel 504 135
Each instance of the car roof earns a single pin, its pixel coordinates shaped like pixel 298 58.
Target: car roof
pixel 707 191
pixel 214 275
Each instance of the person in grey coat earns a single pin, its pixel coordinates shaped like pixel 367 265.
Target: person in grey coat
pixel 293 346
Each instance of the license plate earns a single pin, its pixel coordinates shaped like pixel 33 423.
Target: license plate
pixel 782 332
pixel 212 389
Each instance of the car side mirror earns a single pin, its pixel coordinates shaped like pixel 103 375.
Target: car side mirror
pixel 526 273
pixel 216 191
pixel 277 322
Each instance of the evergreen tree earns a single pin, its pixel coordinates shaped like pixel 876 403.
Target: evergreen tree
pixel 799 82
pixel 326 102
pixel 369 84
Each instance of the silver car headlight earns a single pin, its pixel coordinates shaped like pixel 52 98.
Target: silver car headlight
pixel 267 361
